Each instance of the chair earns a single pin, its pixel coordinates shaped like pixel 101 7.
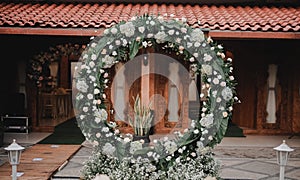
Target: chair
pixel 48 105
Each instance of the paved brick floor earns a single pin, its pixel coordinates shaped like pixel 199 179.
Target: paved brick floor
pixel 250 157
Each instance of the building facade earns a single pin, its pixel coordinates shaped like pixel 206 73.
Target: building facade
pixel 262 39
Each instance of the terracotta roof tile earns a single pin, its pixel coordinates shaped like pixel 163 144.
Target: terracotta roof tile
pixel 231 18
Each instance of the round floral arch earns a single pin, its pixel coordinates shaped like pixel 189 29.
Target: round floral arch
pixel 121 43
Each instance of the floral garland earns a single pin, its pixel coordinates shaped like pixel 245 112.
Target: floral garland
pixel 37 68
pixel 121 43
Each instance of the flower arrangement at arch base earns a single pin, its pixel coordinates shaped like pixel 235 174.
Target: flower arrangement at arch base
pixel 188 155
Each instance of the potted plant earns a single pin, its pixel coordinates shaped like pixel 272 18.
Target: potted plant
pixel 142 120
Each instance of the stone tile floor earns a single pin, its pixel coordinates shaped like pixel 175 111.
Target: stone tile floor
pixel 251 157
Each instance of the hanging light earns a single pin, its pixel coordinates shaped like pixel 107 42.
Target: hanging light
pixel 282 152
pixel 14 155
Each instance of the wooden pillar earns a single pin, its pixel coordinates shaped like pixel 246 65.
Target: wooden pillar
pixel 296 101
pixel 64 72
pixel 32 100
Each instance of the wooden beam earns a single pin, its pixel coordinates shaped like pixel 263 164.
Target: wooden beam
pixel 254 35
pixel 97 32
pixel 51 31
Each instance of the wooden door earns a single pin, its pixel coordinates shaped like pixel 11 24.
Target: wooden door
pixel 155 86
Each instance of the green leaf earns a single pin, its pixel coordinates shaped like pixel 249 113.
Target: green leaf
pixel 222 129
pixel 133 48
pixel 120 150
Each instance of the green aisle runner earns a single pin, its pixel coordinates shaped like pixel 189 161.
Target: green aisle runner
pixel 69 133
pixel 66 133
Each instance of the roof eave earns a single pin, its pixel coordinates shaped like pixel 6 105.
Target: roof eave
pixel 52 31
pixel 254 35
pixel 96 32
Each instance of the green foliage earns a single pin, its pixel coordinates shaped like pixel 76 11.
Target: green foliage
pixel 142 119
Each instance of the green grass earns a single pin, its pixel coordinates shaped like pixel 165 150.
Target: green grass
pixel 66 133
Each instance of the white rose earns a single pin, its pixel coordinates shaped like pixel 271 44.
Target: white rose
pixel 150 153
pixel 189 44
pixel 108 61
pixel 223 83
pixel 180 48
pixel 160 37
pixel 98 135
pixel 108 149
pixel 160 18
pixel 106 31
pixel 171 32
pixel 168 158
pixel 92 64
pixel 138 39
pixel 141 29
pixel 170 146
pixel 207 57
pixel 85 109
pixel 145 44
pixel 103 51
pixel 225 114
pixel 85 56
pixel 105 75
pixel 197 44
pixel 207 120
pixel 197 35
pixel 192 59
pixel 90 96
pixel 101 114
pixel 124 42
pixel 93 57
pixel 93 44
pixel 92 78
pixel 97 120
pixel 178 40
pixel 152 23
pixel 227 93
pixel 127 29
pixel 82 86
pixel 134 146
pixel 118 42
pixel 126 140
pixel 114 30
pixel 216 81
